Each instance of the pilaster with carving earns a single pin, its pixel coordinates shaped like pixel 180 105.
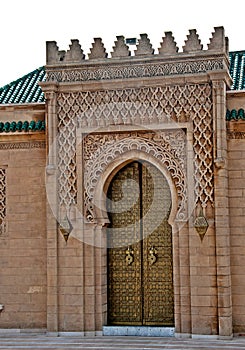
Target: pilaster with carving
pixel 51 187
pixel 222 224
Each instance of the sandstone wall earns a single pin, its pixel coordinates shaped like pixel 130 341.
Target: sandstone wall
pixel 23 243
pixel 236 149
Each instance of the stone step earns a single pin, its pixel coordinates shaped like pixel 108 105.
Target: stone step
pixel 38 342
pixel 142 331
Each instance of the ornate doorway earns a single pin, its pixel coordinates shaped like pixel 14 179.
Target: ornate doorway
pixel 140 264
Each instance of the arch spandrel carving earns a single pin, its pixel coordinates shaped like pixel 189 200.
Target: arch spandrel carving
pixel 167 148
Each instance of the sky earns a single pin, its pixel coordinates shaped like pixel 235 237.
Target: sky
pixel 26 25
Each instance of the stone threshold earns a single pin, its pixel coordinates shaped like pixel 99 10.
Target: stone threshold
pixel 140 331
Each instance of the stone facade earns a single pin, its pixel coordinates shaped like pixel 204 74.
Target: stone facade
pixel 236 156
pixel 168 109
pixel 23 281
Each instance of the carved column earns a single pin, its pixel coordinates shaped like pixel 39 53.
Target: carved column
pixel 222 225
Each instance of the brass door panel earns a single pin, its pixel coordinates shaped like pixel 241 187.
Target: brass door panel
pixel 158 302
pixel 140 286
pixel 124 280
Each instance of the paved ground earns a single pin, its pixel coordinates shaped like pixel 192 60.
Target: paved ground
pixel 36 342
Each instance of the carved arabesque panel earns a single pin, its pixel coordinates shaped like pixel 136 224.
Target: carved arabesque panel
pixel 142 106
pixel 66 143
pixel 203 156
pixel 137 106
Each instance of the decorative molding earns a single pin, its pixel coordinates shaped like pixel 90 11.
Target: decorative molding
pixel 131 69
pixel 22 145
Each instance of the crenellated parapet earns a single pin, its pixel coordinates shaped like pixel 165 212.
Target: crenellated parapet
pixel 120 49
pixel 75 54
pixel 125 62
pixel 98 50
pixel 193 43
pixel 144 47
pixel 168 45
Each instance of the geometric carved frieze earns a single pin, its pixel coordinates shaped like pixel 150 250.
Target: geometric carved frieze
pixel 129 70
pixel 167 147
pixel 2 201
pixel 236 135
pixel 22 145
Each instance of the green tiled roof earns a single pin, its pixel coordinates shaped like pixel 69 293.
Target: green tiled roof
pixel 25 89
pixel 237 69
pixel 22 126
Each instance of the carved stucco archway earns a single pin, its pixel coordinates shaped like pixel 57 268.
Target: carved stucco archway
pixel 114 151
pixel 113 168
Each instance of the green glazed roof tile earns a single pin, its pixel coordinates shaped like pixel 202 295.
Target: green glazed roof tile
pixel 22 126
pixel 235 114
pixel 25 89
pixel 237 69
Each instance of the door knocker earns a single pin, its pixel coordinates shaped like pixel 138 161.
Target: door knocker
pixel 152 255
pixel 129 255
